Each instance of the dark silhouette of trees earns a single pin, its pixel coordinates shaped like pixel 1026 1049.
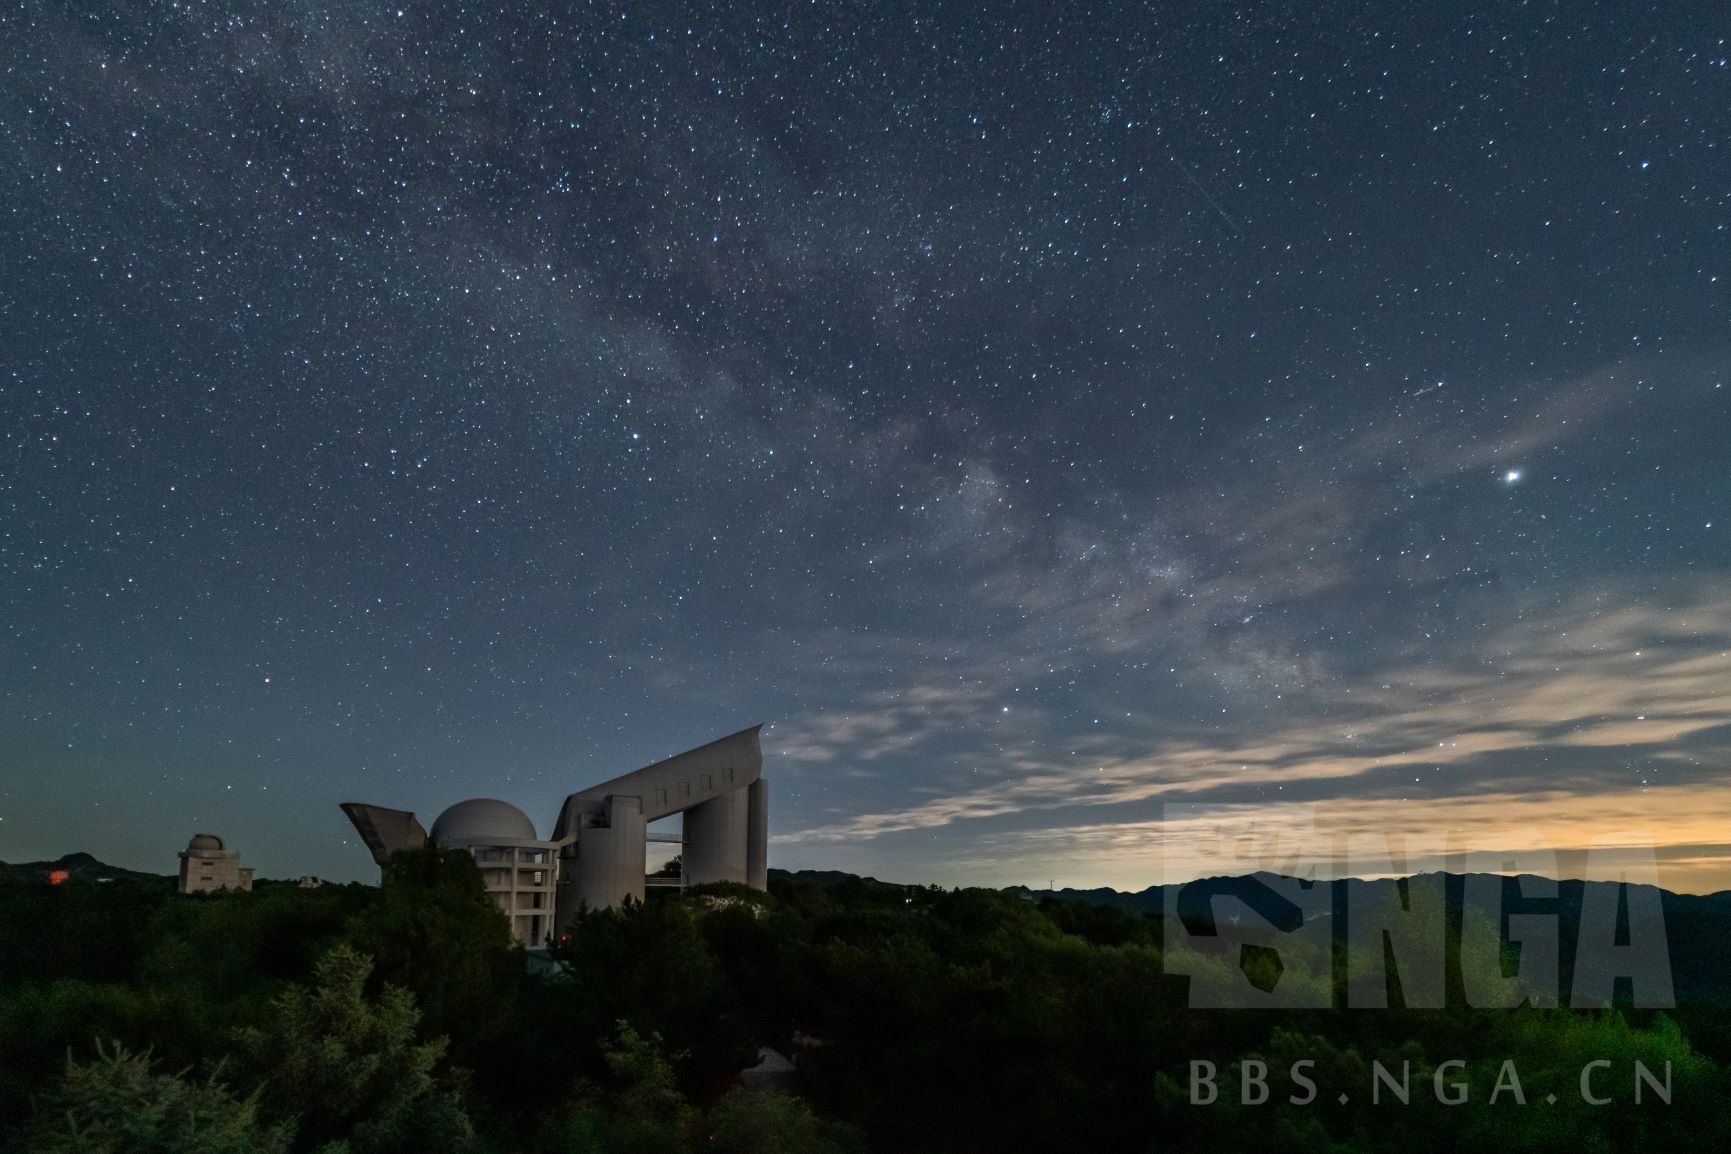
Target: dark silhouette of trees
pixel 402 1018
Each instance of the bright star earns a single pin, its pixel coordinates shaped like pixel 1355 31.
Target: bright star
pixel 1511 476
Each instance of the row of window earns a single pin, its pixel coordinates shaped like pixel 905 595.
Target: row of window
pixel 523 856
pixel 705 783
pixel 501 879
pixel 537 901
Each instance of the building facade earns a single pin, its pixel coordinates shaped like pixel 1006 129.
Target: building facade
pixel 517 868
pixel 596 856
pixel 207 865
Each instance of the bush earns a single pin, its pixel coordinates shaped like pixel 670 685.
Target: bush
pixel 117 1104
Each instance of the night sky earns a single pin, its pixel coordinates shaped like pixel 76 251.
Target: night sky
pixel 1034 413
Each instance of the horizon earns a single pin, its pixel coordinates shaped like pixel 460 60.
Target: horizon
pixel 1561 879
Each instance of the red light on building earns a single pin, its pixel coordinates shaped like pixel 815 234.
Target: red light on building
pixel 57 877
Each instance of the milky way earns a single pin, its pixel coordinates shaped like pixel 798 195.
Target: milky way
pixel 1035 413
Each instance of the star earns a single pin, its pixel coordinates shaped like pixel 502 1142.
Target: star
pixel 397 366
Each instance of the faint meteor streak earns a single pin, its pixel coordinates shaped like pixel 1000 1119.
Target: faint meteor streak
pixel 1215 204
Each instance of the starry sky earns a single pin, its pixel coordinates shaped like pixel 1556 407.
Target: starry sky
pixel 1036 414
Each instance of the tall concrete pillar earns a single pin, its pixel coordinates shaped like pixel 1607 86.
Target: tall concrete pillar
pixel 609 863
pixel 757 835
pixel 715 840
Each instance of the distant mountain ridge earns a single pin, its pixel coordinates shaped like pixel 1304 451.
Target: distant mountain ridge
pixel 1153 898
pixel 1697 926
pixel 79 867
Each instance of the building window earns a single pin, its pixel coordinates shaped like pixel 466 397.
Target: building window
pixel 708 782
pixel 685 789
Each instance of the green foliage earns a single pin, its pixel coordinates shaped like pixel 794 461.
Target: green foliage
pixel 646 1087
pixel 969 1020
pixel 651 964
pixel 350 1069
pixel 639 1110
pixel 751 1121
pixel 41 1023
pixel 239 945
pixel 117 1104
pixel 434 931
pixel 132 961
pixel 921 1021
pixel 89 932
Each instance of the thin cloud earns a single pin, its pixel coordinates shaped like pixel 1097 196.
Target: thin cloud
pixel 1582 701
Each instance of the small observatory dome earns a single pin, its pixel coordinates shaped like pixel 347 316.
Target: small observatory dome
pixel 482 821
pixel 204 843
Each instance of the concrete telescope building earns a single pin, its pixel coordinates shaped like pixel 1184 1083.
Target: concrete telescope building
pixel 207 865
pixel 596 856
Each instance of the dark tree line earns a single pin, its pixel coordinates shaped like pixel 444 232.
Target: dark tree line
pixel 402 1018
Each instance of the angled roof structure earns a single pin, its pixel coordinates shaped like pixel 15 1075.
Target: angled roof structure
pixel 600 834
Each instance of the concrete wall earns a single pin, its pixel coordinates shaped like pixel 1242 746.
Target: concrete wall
pixel 757 835
pixel 385 831
pixel 208 872
pixel 715 840
pixel 710 785
pixel 605 864
pixel 521 880
pixel 673 784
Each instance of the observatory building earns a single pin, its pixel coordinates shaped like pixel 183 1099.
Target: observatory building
pixel 207 865
pixel 596 856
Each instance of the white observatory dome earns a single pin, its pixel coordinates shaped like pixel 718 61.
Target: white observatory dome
pixel 482 821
